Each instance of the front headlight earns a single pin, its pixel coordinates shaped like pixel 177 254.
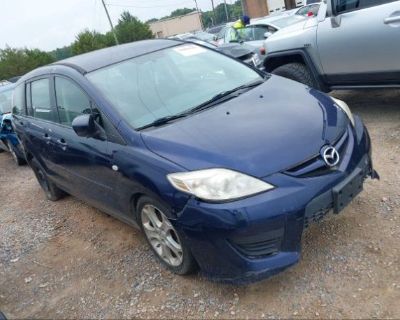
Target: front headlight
pixel 345 108
pixel 217 184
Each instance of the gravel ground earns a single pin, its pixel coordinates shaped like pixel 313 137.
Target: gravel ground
pixel 68 260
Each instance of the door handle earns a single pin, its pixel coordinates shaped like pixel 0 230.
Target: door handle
pixel 391 20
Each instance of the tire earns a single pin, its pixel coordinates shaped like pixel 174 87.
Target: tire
pixel 297 72
pixel 160 238
pixel 18 160
pixel 52 192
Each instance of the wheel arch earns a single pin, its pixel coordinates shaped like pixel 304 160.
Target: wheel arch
pixel 277 59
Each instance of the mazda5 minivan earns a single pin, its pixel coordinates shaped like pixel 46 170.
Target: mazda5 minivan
pixel 220 165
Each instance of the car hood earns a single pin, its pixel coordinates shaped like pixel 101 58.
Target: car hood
pixel 265 130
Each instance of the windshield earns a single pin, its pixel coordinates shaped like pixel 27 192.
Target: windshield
pixel 5 101
pixel 168 82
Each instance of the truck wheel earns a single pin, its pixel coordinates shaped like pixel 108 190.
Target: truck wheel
pixel 297 72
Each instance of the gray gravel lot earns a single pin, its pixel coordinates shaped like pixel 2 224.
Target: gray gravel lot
pixel 68 260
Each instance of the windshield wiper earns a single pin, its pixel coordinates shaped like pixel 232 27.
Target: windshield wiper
pixel 219 98
pixel 224 96
pixel 163 120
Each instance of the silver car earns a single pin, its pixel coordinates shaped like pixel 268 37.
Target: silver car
pixel 349 44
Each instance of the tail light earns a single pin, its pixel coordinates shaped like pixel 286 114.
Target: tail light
pixel 262 51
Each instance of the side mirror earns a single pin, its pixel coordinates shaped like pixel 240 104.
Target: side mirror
pixel 267 34
pixel 85 126
pixel 215 37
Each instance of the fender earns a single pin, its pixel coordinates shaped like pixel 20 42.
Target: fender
pixel 276 59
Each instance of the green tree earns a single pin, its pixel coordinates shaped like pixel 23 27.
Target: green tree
pixel 234 13
pixel 87 41
pixel 130 28
pixel 17 62
pixel 180 12
pixel 62 53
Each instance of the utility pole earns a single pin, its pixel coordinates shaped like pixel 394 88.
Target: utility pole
pixel 243 8
pixel 226 11
pixel 198 12
pixel 109 20
pixel 213 8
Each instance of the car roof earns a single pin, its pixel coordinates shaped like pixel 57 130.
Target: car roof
pixel 94 60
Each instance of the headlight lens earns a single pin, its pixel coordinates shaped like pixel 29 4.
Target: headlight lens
pixel 345 108
pixel 217 184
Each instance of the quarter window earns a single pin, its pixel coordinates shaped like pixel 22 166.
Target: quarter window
pixel 41 105
pixel 71 100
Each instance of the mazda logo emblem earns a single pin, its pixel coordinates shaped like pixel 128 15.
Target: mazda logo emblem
pixel 330 156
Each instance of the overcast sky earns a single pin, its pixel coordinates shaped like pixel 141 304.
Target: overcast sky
pixel 49 24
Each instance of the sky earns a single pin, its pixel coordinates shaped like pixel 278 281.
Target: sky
pixel 50 24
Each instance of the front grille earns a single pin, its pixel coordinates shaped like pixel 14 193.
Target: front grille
pixel 260 245
pixel 315 166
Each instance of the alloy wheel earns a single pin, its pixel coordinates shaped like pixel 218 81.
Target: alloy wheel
pixel 162 235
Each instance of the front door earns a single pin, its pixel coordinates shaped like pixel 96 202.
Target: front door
pixel 360 44
pixel 83 165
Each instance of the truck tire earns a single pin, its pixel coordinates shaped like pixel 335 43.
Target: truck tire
pixel 297 72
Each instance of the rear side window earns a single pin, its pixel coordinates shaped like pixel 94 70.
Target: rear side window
pixel 18 100
pixel 351 5
pixel 40 94
pixel 71 100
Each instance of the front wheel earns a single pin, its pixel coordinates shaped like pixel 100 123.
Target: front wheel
pixel 165 240
pixel 297 72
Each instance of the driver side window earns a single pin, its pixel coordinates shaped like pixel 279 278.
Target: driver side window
pixel 341 6
pixel 71 100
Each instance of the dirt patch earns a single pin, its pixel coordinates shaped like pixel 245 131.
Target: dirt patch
pixel 69 260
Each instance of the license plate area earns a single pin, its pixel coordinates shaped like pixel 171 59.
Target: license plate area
pixel 346 191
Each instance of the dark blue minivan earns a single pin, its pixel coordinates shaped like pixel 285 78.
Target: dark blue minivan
pixel 221 166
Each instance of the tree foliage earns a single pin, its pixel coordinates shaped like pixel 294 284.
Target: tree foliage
pixel 234 13
pixel 62 53
pixel 17 62
pixel 130 28
pixel 87 41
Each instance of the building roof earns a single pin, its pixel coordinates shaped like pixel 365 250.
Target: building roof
pixel 94 60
